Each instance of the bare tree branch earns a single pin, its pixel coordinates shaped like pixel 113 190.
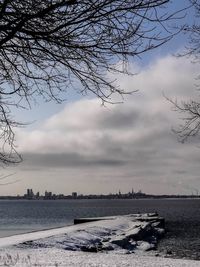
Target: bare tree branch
pixel 2 177
pixel 190 109
pixel 190 112
pixel 49 46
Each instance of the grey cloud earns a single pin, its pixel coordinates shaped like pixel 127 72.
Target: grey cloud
pixel 68 161
pixel 119 118
pixel 179 172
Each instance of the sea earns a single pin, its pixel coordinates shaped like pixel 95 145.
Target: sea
pixel 182 217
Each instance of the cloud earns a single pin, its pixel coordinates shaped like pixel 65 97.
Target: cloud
pixel 64 160
pixel 132 141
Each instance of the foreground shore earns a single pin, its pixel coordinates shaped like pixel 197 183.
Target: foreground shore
pixel 54 257
pixel 114 241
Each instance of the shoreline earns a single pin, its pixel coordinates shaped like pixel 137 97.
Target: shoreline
pixel 36 231
pixel 13 198
pixel 57 258
pixel 55 246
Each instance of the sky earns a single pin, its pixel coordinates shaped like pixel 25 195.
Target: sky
pixel 85 147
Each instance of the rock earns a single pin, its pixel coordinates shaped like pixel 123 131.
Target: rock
pixel 145 246
pixel 169 252
pixel 90 248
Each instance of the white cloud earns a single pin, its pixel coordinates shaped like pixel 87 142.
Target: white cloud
pixel 135 137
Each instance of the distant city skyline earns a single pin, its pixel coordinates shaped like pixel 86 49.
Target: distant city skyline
pixel 30 194
pixel 48 195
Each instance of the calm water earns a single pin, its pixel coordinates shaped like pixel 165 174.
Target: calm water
pixel 182 218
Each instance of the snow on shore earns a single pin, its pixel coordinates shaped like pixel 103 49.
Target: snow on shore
pixel 55 257
pixel 119 241
pixel 126 233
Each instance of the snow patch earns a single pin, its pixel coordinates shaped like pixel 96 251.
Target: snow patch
pixel 132 235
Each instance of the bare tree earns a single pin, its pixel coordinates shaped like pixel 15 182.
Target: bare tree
pixel 190 110
pixel 4 177
pixel 50 46
pixel 190 122
pixel 193 47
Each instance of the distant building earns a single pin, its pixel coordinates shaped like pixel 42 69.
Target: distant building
pixel 37 195
pixel 29 194
pixel 119 194
pixel 74 194
pixel 48 195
